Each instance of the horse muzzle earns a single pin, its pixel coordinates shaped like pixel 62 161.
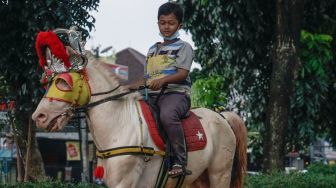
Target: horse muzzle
pixel 52 121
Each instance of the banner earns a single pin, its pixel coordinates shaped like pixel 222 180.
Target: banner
pixel 120 70
pixel 72 150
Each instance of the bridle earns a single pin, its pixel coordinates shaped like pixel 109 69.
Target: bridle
pixel 74 108
pixel 69 112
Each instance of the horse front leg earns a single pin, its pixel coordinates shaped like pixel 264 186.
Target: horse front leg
pixel 123 171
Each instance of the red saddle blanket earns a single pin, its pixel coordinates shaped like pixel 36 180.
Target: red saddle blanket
pixel 193 130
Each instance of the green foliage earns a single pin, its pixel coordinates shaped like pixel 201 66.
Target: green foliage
pixel 208 92
pixel 319 17
pixel 226 42
pixel 320 168
pixel 318 175
pixel 3 86
pixel 293 180
pixel 233 39
pixel 315 80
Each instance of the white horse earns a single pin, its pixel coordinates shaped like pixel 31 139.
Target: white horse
pixel 118 123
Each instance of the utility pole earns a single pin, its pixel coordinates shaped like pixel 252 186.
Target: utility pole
pixel 96 51
pixel 83 136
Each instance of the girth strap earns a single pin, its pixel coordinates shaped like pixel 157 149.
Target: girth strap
pixel 128 150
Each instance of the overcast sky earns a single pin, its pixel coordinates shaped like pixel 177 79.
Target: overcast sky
pixel 127 23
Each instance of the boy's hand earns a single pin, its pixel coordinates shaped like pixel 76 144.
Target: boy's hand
pixel 156 84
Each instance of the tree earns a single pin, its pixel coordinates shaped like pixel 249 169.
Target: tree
pixel 21 21
pixel 285 64
pixel 310 105
pixel 237 39
pixel 207 92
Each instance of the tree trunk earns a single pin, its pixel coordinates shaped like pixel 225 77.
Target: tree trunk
pixel 36 168
pixel 32 161
pixel 285 63
pixel 28 152
pixel 19 165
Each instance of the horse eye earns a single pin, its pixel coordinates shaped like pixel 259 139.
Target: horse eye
pixel 62 85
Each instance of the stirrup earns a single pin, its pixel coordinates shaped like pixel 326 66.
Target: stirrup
pixel 178 170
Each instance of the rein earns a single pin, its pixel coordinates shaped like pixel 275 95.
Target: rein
pixel 107 99
pixel 105 92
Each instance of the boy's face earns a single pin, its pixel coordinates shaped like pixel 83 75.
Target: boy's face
pixel 168 24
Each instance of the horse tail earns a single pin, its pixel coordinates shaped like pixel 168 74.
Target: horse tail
pixel 239 167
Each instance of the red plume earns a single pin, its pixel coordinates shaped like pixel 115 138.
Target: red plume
pixel 49 39
pixel 99 172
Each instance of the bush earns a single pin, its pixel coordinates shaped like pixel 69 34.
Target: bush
pixel 293 180
pixel 318 176
pixel 320 168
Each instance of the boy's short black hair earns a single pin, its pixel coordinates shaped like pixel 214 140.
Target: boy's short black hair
pixel 169 8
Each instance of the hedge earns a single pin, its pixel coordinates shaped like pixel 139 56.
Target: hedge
pixel 317 176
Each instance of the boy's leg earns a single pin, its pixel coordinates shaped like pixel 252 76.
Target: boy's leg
pixel 173 107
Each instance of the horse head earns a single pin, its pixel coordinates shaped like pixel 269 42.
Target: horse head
pixel 67 83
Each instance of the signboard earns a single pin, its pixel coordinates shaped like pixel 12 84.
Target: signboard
pixel 5 107
pixel 72 151
pixel 4 116
pixel 120 70
pixel 9 105
pixel 4 119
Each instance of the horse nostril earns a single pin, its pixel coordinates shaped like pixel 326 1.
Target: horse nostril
pixel 42 117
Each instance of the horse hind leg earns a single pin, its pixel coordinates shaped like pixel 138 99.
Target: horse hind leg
pixel 202 181
pixel 217 176
pixel 220 170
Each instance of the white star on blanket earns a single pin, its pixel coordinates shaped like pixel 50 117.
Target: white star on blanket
pixel 199 135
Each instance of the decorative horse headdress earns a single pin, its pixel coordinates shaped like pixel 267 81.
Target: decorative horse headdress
pixel 61 55
pixel 52 51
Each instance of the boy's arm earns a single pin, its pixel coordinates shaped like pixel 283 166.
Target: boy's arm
pixel 178 77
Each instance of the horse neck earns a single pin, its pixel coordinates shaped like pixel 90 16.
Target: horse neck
pixel 114 123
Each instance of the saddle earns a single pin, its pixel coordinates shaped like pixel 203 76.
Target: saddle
pixel 193 131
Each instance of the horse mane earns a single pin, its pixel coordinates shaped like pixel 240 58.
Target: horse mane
pixel 112 78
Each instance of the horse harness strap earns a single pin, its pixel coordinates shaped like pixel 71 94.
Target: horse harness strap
pixel 105 92
pixel 141 125
pixel 128 150
pixel 107 99
pixel 131 150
